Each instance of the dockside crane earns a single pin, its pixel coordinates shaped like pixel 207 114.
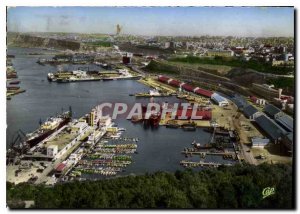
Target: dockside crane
pixel 16 147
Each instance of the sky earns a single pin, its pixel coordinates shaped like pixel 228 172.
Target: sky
pixel 151 21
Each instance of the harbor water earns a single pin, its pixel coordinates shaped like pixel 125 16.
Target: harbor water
pixel 158 149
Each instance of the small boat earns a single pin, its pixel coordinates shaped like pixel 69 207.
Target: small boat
pixel 13 87
pixel 189 126
pixel 15 82
pixel 172 125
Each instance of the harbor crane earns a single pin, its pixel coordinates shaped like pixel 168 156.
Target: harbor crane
pixel 14 148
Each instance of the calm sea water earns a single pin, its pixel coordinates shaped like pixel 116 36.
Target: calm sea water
pixel 158 149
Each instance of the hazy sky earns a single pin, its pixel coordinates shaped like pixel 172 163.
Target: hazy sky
pixel 177 21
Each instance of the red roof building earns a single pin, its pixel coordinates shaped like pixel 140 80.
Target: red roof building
pixel 188 87
pixel 175 83
pixel 253 99
pixel 185 86
pixel 163 79
pixel 203 92
pixel 60 167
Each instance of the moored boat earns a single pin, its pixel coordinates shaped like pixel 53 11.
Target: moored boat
pixel 15 82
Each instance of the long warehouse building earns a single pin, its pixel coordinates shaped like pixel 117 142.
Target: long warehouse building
pixel 185 86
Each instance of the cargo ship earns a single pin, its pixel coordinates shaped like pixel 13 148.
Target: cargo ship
pixel 47 128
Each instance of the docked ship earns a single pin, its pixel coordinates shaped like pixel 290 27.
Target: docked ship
pixel 129 77
pixel 172 124
pixel 77 79
pixel 15 82
pixel 189 126
pixel 47 128
pixel 52 77
pixel 152 93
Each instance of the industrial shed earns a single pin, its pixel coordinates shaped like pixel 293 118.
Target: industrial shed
pixel 270 127
pixel 188 87
pixel 175 83
pixel 285 121
pixel 249 111
pixel 163 79
pixel 221 101
pixel 288 141
pixel 185 86
pixel 258 142
pixel 203 92
pixel 240 101
pixel 271 110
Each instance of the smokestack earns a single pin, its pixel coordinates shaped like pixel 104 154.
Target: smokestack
pixel 279 92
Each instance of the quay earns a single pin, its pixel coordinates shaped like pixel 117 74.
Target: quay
pixel 202 164
pixel 208 153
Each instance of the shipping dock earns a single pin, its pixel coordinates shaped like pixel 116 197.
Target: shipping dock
pixel 49 153
pixel 80 76
pixel 12 84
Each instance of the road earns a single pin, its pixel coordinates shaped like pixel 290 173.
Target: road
pixel 248 155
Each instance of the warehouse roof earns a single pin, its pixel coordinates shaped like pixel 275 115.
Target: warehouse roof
pixel 203 92
pixel 218 98
pixel 188 87
pixel 271 110
pixel 249 110
pixel 289 141
pixel 240 101
pixel 175 83
pixel 290 136
pixel 257 141
pixel 60 167
pixel 269 126
pixel 163 78
pixel 285 121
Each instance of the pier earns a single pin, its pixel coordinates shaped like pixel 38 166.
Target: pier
pixel 202 164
